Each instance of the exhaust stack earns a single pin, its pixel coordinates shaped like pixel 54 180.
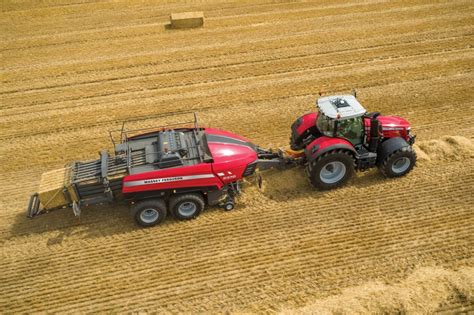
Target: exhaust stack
pixel 374 132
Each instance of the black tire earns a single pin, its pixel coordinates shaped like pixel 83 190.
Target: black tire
pixel 149 212
pixel 400 157
pixel 186 206
pixel 338 159
pixel 229 206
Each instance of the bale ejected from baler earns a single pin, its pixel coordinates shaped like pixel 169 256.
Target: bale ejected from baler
pixel 180 170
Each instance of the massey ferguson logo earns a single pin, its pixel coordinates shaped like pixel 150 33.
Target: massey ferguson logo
pixel 152 181
pixel 162 180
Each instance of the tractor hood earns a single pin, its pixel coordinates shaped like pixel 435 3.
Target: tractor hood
pixel 226 147
pixel 393 122
pixel 394 126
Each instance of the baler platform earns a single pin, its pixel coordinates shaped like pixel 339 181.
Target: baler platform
pixel 81 183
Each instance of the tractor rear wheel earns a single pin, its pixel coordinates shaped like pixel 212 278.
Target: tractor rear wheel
pixel 149 212
pixel 331 170
pixel 186 206
pixel 399 163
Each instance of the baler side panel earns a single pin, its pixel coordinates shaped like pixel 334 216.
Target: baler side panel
pixel 199 175
pixel 230 173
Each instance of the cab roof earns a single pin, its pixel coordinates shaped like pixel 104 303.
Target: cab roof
pixel 340 106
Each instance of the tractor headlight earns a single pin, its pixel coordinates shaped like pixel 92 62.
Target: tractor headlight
pixel 408 130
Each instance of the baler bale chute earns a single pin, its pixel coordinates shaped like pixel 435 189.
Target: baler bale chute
pixel 54 191
pixel 78 184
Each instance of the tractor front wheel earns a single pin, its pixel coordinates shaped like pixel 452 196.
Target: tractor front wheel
pixel 331 170
pixel 399 163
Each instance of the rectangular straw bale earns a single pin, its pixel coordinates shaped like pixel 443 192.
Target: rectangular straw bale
pixel 187 19
pixel 51 188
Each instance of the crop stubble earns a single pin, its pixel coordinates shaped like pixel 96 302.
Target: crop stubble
pixel 252 69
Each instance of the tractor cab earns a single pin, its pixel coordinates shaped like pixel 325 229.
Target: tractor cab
pixel 341 117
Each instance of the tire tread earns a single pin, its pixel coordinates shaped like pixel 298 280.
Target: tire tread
pixel 175 199
pixel 384 167
pixel 152 203
pixel 314 163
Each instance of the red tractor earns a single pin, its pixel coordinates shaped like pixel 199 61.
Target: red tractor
pixel 342 137
pixel 179 171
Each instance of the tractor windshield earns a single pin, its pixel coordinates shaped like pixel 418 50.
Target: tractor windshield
pixel 351 129
pixel 325 125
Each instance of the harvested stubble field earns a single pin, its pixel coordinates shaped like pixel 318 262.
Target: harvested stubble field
pixel 72 71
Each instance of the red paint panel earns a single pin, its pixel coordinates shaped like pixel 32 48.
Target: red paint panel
pixel 307 121
pixel 392 126
pixel 393 121
pixel 230 158
pixel 231 154
pixel 172 178
pixel 324 142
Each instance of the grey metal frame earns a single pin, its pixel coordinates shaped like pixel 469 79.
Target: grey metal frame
pixel 124 133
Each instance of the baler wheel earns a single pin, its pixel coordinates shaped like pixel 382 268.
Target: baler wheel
pixel 149 212
pixel 399 163
pixel 229 205
pixel 332 169
pixel 186 206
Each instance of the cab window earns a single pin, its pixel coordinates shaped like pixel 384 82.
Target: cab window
pixel 325 125
pixel 351 129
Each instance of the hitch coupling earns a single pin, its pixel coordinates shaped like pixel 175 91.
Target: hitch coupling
pixel 280 160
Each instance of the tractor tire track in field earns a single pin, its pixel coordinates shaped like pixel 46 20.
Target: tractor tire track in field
pixel 46 39
pixel 304 76
pixel 171 42
pixel 382 51
pixel 285 18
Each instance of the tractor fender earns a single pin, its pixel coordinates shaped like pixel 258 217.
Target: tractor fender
pixel 389 146
pixel 302 128
pixel 325 144
pixel 304 122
